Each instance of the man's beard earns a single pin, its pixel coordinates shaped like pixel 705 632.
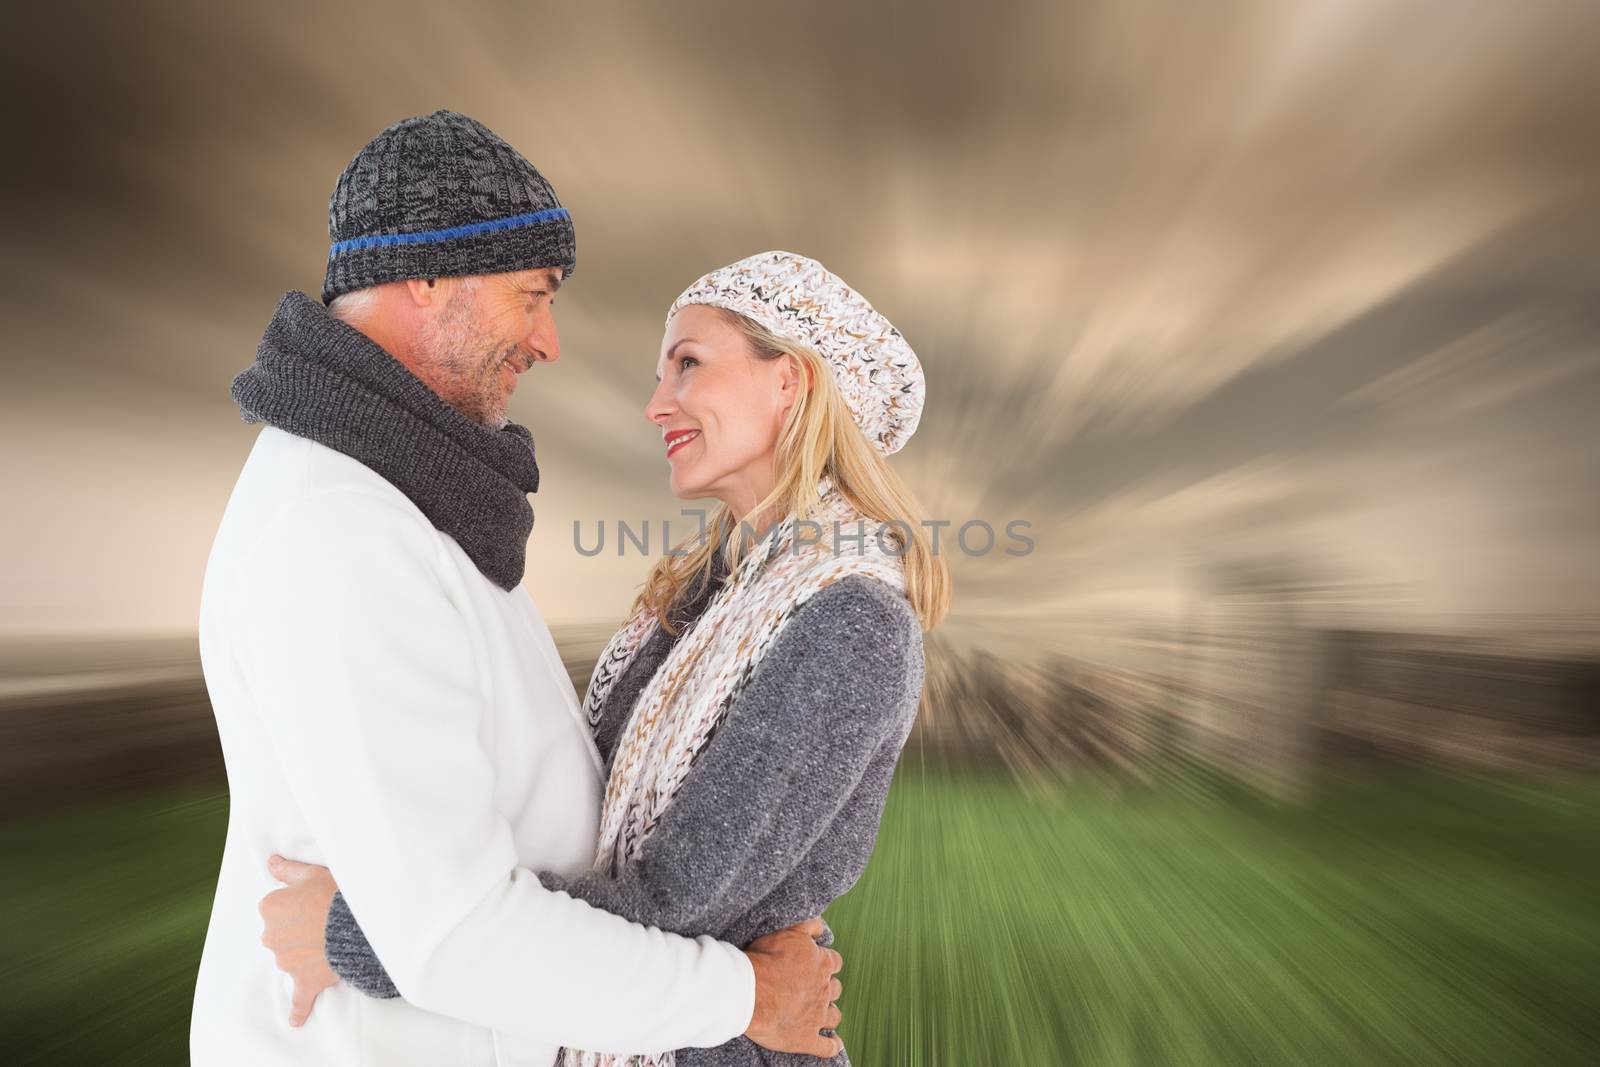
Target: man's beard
pixel 483 400
pixel 471 359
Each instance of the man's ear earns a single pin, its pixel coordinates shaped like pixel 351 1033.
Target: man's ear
pixel 422 291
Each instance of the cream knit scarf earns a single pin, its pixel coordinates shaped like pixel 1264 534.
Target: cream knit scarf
pixel 705 671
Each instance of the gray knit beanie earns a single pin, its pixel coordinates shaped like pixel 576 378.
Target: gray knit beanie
pixel 440 195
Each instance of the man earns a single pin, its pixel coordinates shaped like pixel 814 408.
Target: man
pixel 389 699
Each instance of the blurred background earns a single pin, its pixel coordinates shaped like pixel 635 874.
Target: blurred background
pixel 1279 323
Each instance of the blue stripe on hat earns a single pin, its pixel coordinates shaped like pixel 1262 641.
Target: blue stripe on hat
pixel 431 236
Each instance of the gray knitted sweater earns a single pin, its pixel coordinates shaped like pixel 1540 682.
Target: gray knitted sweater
pixel 780 809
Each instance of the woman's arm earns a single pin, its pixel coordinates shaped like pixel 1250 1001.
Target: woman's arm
pixel 839 683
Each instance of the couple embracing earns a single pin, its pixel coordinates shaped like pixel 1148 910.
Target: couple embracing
pixel 436 852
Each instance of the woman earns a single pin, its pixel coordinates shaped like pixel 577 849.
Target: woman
pixel 752 708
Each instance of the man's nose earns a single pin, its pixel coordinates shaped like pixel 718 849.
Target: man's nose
pixel 546 342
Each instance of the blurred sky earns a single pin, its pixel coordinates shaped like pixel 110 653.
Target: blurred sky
pixel 1190 282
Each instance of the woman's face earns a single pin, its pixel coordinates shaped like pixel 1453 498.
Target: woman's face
pixel 720 409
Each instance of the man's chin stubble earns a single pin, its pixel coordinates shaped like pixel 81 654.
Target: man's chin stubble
pixel 493 413
pixel 489 415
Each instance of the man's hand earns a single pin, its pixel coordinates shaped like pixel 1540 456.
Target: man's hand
pixel 795 991
pixel 294 918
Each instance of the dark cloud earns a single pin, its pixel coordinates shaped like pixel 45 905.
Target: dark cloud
pixel 1143 249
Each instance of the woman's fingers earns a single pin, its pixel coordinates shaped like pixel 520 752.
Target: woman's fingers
pixel 290 871
pixel 304 997
pixel 273 907
pixel 311 976
pixel 832 1017
pixel 293 930
pixel 835 989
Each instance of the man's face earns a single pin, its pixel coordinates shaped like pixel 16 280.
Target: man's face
pixel 489 330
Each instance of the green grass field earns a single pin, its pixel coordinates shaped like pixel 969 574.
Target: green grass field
pixel 1423 920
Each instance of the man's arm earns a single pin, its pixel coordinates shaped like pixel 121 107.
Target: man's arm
pixel 363 673
pixel 790 753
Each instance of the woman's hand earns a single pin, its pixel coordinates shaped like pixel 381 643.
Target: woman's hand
pixel 294 918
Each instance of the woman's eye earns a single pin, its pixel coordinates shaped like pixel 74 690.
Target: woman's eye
pixel 686 360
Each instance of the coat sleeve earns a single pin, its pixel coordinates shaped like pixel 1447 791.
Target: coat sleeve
pixel 831 692
pixel 347 628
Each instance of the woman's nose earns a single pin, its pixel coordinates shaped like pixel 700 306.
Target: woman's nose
pixel 659 405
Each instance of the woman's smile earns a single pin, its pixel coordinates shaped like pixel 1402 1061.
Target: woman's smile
pixel 678 439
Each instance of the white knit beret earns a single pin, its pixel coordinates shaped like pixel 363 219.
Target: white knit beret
pixel 798 298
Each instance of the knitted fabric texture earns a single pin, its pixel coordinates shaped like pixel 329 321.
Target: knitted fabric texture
pixel 318 377
pixel 780 813
pixel 688 696
pixel 441 195
pixel 796 297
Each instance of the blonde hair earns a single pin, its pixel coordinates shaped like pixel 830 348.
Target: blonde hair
pixel 819 436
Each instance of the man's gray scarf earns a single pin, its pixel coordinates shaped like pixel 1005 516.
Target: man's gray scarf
pixel 316 376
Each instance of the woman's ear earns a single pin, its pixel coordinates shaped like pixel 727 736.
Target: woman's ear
pixel 791 373
pixel 794 372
